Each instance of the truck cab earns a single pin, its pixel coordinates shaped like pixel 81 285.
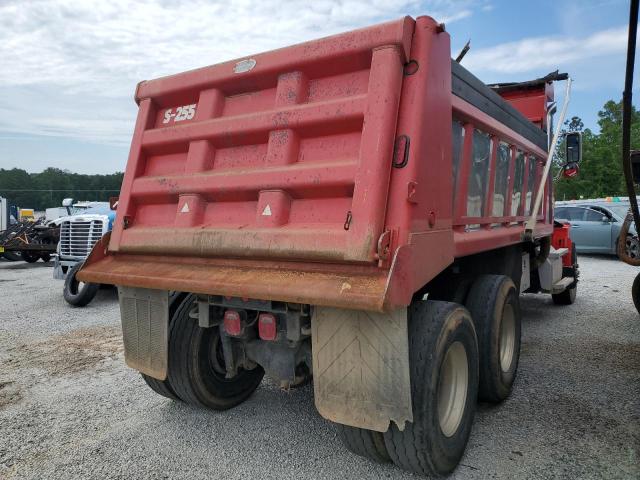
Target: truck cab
pixel 86 224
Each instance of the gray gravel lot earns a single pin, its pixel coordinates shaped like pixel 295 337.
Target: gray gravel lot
pixel 70 408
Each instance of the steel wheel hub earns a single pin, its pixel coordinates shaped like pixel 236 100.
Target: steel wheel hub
pixel 507 337
pixel 452 388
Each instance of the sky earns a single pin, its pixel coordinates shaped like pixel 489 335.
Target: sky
pixel 69 68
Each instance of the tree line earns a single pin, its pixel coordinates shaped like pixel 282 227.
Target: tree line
pixel 49 187
pixel 601 168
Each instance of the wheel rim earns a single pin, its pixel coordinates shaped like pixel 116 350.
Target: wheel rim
pixel 507 337
pixel 452 388
pixel 632 247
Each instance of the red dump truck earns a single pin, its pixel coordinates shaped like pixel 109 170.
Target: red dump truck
pixel 353 210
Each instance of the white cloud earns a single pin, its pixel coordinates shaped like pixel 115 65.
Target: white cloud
pixel 69 68
pixel 539 53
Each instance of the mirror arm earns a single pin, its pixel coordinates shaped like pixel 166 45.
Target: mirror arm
pixel 550 111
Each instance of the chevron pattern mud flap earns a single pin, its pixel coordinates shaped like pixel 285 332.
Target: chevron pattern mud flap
pixel 361 367
pixel 145 325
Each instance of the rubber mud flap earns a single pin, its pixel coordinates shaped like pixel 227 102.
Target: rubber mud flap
pixel 145 325
pixel 361 367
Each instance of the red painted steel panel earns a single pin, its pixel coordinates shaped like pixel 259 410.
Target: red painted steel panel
pixel 532 103
pixel 271 177
pixel 238 128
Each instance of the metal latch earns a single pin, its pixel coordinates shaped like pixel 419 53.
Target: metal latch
pixel 383 245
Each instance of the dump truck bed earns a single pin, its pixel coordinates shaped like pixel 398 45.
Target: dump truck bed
pixel 347 171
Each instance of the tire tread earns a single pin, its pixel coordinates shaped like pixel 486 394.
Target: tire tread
pixel 481 305
pixel 407 448
pixel 363 442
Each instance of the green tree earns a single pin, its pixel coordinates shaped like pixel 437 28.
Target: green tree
pixel 601 168
pixel 49 187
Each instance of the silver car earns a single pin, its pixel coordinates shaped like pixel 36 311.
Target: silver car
pixel 595 227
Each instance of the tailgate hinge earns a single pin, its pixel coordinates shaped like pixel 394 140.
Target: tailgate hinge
pixel 384 243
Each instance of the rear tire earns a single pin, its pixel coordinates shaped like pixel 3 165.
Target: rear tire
pixel 495 310
pixel 76 294
pixel 161 387
pixel 569 295
pixel 196 365
pixel 565 298
pixel 635 292
pixel 443 361
pixel 164 387
pixel 29 257
pixel 12 256
pixel 365 443
pixel 45 257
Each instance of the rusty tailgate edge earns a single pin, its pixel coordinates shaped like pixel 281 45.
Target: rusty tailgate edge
pixel 340 288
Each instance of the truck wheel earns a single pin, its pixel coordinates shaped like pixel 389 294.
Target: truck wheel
pixel 196 365
pixel 363 442
pixel 443 360
pixel 164 387
pixel 45 257
pixel 161 387
pixel 495 310
pixel 12 256
pixel 635 292
pixel 78 293
pixel 30 257
pixel 568 296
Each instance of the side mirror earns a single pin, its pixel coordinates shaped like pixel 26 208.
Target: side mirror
pixel 67 202
pixel 605 219
pixel 573 147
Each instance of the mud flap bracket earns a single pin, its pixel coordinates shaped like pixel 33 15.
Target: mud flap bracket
pixel 361 367
pixel 145 326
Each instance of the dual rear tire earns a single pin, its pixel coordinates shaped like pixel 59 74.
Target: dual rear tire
pixel 456 355
pixel 443 394
pixel 495 309
pixel 443 362
pixel 475 356
pixel 30 257
pixel 197 372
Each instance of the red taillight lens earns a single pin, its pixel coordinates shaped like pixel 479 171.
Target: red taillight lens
pixel 232 323
pixel 267 326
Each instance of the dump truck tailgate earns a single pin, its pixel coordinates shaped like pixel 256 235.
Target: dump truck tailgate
pixel 285 154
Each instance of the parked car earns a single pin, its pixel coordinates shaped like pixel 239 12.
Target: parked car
pixel 78 234
pixel 595 226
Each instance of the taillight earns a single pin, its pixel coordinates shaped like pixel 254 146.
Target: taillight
pixel 267 326
pixel 232 323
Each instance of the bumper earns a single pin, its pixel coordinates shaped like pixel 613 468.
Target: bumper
pixel 356 287
pixel 61 266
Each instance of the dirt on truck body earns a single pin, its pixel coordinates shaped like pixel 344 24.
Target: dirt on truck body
pixel 352 209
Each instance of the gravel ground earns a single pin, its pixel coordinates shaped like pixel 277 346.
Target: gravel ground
pixel 70 408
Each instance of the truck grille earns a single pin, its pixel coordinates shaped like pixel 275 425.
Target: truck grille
pixel 78 238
